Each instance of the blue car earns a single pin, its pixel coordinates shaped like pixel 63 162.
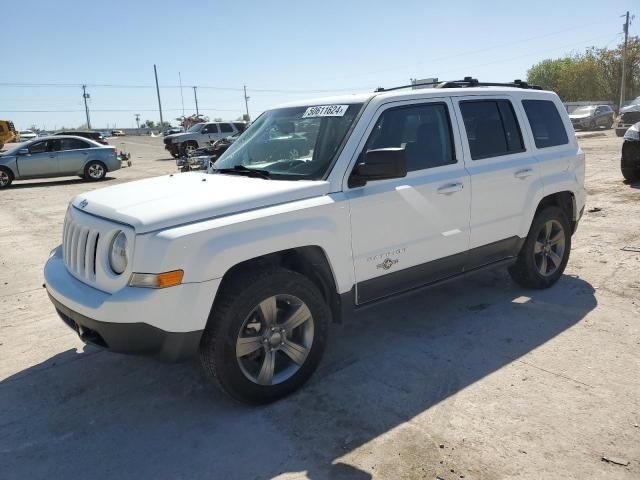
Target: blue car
pixel 58 156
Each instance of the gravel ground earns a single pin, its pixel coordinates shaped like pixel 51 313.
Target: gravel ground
pixel 477 379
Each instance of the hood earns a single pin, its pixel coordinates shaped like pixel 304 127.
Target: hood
pixel 580 116
pixel 635 107
pixel 163 202
pixel 177 135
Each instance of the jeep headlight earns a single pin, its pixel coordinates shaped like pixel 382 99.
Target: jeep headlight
pixel 633 133
pixel 118 254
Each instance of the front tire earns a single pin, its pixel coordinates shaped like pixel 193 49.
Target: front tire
pixel 545 252
pixel 265 336
pixel 631 174
pixel 95 171
pixel 6 177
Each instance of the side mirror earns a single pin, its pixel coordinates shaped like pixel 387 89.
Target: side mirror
pixel 380 164
pixel 23 151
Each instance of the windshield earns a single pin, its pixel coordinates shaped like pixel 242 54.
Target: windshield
pixel 196 128
pixel 293 143
pixel 583 110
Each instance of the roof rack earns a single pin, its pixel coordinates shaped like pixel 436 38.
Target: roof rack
pixel 466 82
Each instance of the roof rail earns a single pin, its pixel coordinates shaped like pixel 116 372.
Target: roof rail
pixel 466 82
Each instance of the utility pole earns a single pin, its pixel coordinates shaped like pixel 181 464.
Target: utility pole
pixel 624 59
pixel 181 96
pixel 138 119
pixel 85 95
pixel 195 95
pixel 246 103
pixel 155 71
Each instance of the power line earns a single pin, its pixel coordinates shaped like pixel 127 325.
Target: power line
pixel 210 109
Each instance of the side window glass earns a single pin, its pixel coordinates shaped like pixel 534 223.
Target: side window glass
pixel 546 124
pixel 492 128
pixel 39 147
pixel 226 128
pixel 72 144
pixel 425 130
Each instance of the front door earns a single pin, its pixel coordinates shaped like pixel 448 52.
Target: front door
pixel 212 132
pixel 41 161
pixel 411 231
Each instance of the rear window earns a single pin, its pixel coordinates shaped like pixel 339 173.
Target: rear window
pixel 546 123
pixel 226 128
pixel 492 128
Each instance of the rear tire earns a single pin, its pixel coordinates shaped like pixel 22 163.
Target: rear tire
pixel 6 177
pixel 545 252
pixel 259 323
pixel 95 171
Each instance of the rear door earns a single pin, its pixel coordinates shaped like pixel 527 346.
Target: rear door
pixel 73 154
pixel 226 130
pixel 41 161
pixel 504 175
pixel 411 231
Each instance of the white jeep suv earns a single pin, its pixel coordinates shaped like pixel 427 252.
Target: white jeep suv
pixel 317 210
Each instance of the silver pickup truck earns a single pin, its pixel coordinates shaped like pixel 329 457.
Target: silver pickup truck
pixel 200 135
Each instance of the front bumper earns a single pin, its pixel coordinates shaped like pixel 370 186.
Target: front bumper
pixel 167 323
pixel 131 338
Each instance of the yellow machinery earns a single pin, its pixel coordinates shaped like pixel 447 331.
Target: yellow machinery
pixel 7 132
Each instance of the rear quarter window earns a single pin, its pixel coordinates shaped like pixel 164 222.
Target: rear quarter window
pixel 546 123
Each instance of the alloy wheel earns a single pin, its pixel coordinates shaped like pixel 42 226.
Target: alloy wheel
pixel 96 171
pixel 549 248
pixel 275 340
pixel 4 178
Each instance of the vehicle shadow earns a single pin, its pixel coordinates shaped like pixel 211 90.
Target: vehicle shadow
pixel 53 183
pixel 132 417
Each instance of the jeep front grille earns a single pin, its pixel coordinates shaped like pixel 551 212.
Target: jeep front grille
pixel 79 247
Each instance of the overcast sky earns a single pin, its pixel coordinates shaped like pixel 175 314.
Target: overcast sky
pixel 281 50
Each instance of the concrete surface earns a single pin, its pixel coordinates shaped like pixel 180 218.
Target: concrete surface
pixel 477 379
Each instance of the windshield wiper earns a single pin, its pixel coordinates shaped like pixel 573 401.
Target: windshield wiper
pixel 242 170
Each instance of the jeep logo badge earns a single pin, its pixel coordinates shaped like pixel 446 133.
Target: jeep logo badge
pixel 83 203
pixel 387 264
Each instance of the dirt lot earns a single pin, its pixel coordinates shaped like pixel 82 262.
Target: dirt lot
pixel 477 379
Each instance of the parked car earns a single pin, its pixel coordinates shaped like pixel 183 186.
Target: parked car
pixel 7 132
pixel 26 135
pixel 43 133
pixel 247 266
pixel 591 117
pixel 91 135
pixel 57 156
pixel 200 135
pixel 105 133
pixel 630 161
pixel 628 116
pixel 117 133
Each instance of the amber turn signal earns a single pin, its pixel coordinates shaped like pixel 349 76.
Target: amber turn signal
pixel 156 280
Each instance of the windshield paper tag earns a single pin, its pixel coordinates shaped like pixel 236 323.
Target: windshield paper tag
pixel 326 111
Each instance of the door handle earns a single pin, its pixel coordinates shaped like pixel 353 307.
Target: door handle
pixel 451 188
pixel 527 172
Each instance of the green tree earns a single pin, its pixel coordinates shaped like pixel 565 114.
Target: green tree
pixel 150 124
pixel 592 75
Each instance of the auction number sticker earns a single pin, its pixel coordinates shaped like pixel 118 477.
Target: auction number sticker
pixel 326 111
